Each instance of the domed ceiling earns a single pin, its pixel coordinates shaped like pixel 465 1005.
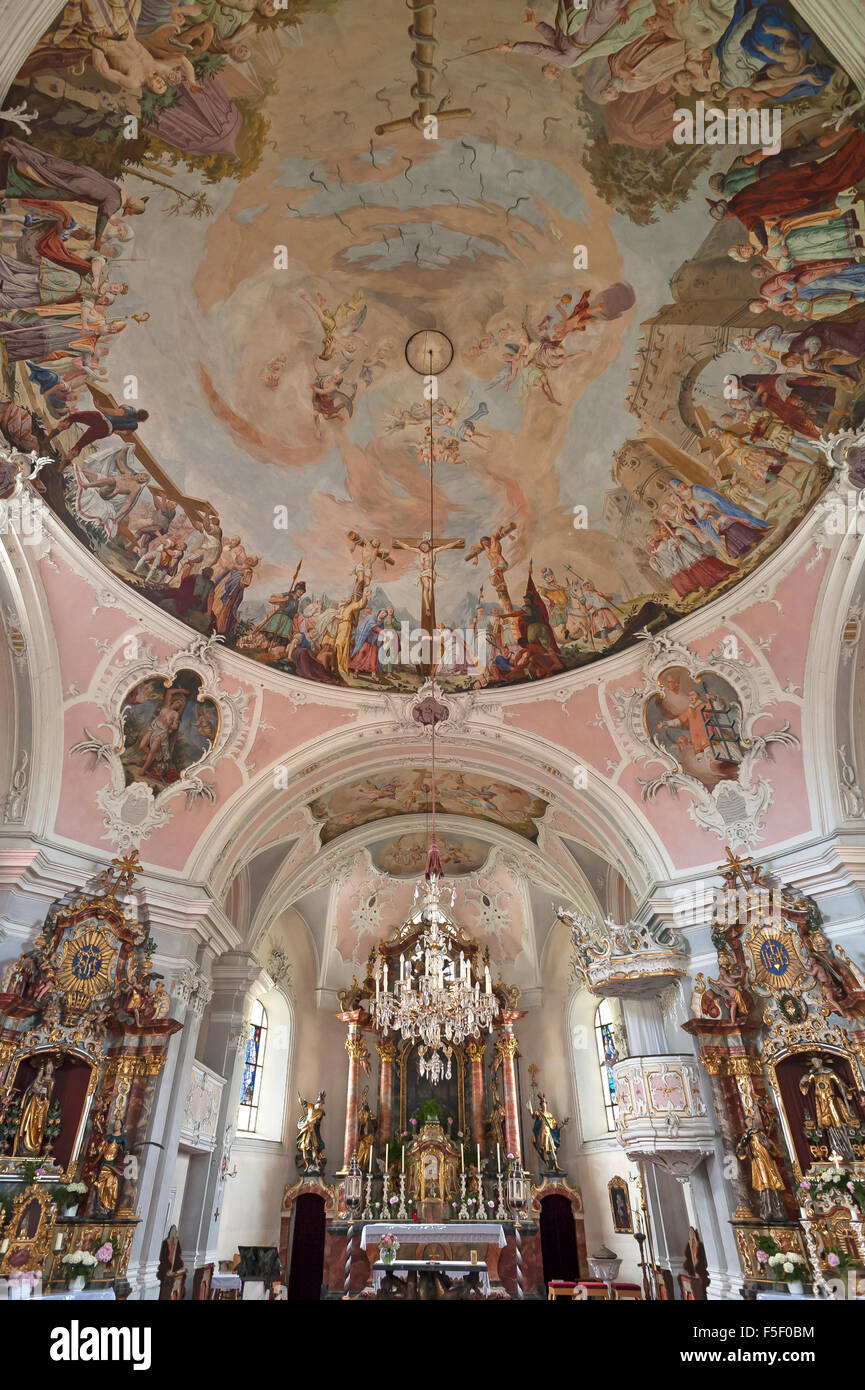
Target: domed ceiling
pixel 223 223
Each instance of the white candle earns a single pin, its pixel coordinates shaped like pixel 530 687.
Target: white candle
pixel 479 1162
pixel 487 979
pixel 370 1159
pixel 462 1158
pixel 498 1158
pixel 385 977
pixel 386 1153
pixel 4 1247
pixel 403 1158
pixel 58 1241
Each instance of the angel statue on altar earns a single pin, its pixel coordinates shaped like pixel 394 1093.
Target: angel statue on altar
pixel 546 1134
pixel 310 1156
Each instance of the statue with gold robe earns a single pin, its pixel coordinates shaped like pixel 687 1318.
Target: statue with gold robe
pixel 112 1148
pixel 546 1134
pixel 310 1156
pixel 366 1126
pixel 833 1110
pixel 33 1123
pixel 766 1180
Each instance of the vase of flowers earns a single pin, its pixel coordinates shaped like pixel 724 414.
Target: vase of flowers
pixel 68 1197
pixel 78 1265
pixel 388 1246
pixel 788 1267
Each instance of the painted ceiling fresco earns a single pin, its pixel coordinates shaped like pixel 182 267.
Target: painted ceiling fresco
pixel 222 222
pixel 406 790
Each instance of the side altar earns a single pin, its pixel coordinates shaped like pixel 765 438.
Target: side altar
pixel 84 1029
pixel 781 1034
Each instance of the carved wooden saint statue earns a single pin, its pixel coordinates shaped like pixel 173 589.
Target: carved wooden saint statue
pixel 311 1156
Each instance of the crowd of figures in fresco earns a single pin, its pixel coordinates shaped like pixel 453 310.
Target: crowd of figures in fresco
pixel 698 506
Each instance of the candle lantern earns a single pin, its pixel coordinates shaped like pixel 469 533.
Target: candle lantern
pixel 353 1190
pixel 516 1187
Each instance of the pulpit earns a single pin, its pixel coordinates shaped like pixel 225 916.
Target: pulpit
pixel 432 1172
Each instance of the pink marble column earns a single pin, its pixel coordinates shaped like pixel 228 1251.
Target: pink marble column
pixel 475 1054
pixel 506 1046
pixel 386 1050
pixel 357 1057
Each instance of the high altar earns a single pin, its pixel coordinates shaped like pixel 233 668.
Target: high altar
pixel 83 1037
pixel 447 1133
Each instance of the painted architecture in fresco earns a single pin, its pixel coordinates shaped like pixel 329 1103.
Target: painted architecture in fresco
pixel 650 336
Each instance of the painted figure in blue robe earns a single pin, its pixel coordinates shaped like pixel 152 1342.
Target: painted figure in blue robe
pixel 765 53
pixel 729 529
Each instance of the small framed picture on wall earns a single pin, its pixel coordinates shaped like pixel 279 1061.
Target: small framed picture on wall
pixel 620 1206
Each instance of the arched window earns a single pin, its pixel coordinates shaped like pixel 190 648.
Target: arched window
pixel 247 1115
pixel 606 1046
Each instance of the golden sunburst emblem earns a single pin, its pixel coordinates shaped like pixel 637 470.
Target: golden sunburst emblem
pixel 85 967
pixel 775 960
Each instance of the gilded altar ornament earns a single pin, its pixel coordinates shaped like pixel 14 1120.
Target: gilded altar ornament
pixel 38 1114
pixel 366 1127
pixel 546 1134
pixel 311 1156
pixel 833 1109
pixel 766 1180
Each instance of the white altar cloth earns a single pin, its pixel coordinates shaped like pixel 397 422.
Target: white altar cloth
pixel 454 1269
pixel 418 1232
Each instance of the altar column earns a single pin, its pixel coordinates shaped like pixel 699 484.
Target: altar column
pixel 386 1050
pixel 506 1047
pixel 358 1057
pixel 475 1054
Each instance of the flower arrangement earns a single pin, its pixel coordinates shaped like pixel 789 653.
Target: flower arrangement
pixel 68 1195
pixel 838 1260
pixel 840 1183
pixel 388 1246
pixel 79 1263
pixel 786 1264
pixel 105 1253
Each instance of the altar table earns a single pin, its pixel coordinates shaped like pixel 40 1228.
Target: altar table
pixel 224 1286
pixel 419 1232
pixel 92 1295
pixel 454 1269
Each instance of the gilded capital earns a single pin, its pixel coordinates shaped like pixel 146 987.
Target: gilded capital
pixel 506 1045
pixel 475 1049
pixel 386 1049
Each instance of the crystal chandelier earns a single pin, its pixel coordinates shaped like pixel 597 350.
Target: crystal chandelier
pixel 436 1001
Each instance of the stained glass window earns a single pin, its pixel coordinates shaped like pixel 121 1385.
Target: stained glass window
pixel 247 1115
pixel 606 1056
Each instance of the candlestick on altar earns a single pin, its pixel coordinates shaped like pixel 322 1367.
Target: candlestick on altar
pixel 501 1213
pixel 402 1214
pixel 367 1210
pixel 464 1213
pixel 384 1193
